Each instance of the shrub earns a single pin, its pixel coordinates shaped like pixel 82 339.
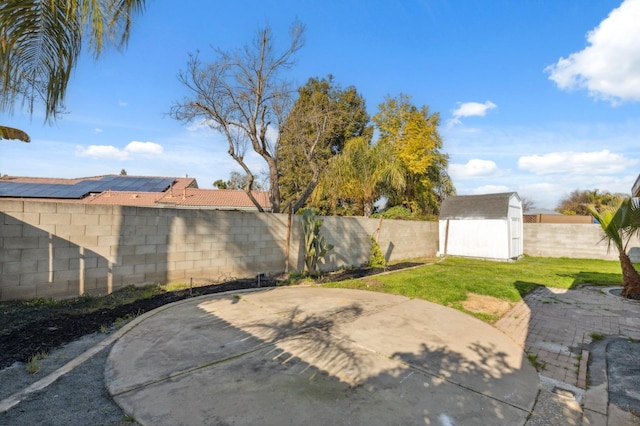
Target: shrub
pixel 395 212
pixel 315 246
pixel 376 258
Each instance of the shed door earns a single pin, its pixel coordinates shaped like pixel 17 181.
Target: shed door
pixel 515 248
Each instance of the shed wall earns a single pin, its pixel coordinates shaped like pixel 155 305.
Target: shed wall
pixel 485 238
pixel 515 230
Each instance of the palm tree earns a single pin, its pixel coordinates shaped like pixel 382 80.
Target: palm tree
pixel 40 41
pixel 619 225
pixel 358 172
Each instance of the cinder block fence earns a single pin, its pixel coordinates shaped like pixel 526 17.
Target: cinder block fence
pixel 63 250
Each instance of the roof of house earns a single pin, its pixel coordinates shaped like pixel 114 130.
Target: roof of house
pixel 486 206
pixel 223 198
pixel 543 211
pixel 147 192
pixel 79 188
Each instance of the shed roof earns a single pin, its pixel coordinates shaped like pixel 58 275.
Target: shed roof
pixel 486 206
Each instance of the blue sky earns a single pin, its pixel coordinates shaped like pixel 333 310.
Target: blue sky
pixel 539 97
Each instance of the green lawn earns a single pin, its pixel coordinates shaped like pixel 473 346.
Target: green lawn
pixel 450 281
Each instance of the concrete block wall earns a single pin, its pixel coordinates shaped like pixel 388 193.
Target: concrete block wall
pixel 576 240
pixel 63 250
pixel 398 240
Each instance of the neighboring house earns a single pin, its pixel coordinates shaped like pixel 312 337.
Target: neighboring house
pixel 484 226
pixel 139 191
pixel 635 190
pixel 551 216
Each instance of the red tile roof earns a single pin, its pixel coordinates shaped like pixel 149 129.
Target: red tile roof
pixel 216 198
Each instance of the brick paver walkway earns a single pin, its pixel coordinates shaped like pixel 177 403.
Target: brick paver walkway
pixel 554 326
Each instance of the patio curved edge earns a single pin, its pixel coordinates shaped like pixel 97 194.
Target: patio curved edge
pixel 313 355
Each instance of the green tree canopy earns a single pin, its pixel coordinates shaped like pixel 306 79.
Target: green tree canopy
pixel 578 202
pixel 323 117
pixel 357 175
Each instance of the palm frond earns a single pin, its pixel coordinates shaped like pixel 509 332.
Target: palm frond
pixel 619 223
pixel 40 41
pixel 42 44
pixel 632 219
pixel 12 133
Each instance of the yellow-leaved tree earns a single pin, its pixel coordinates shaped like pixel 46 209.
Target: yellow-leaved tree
pixel 412 133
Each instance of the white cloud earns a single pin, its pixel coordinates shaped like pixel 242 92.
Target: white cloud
pixel 575 163
pixel 491 189
pixel 110 152
pixel 470 109
pixel 150 148
pixel 101 151
pixel 202 124
pixel 473 169
pixel 123 104
pixel 543 194
pixel 609 68
pixel 97 130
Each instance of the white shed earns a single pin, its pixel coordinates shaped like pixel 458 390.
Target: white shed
pixel 486 226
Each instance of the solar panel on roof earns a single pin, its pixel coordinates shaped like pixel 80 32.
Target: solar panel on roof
pixel 84 187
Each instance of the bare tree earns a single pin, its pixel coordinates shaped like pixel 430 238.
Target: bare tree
pixel 241 95
pixel 527 204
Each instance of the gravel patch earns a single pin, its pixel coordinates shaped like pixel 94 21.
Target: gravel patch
pixel 79 397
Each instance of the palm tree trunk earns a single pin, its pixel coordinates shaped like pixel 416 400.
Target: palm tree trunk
pixel 630 277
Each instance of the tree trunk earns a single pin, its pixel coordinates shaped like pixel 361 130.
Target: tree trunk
pixel 274 183
pixel 309 190
pixel 368 208
pixel 630 277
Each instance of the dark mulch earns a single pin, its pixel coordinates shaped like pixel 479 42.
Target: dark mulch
pixel 47 334
pixel 349 274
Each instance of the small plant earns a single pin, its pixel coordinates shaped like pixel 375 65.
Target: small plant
pixel 376 258
pixel 533 359
pixel 34 365
pixel 315 246
pixel 596 336
pixel 128 418
pixel 121 322
pixel 104 329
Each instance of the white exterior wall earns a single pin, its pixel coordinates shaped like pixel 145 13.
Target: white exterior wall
pixel 515 230
pixel 475 238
